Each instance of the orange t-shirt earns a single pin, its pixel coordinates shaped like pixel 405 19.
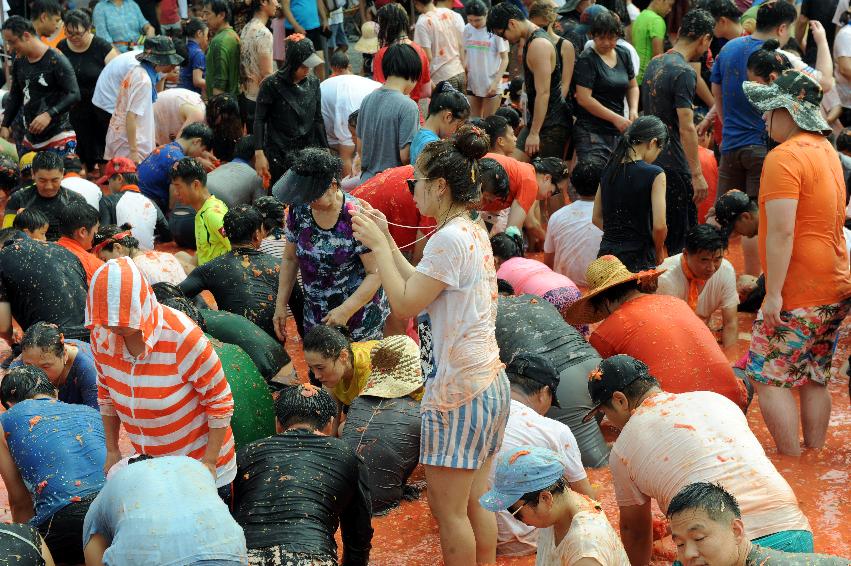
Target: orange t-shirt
pixel 806 168
pixel 522 184
pixel 680 350
pixel 709 166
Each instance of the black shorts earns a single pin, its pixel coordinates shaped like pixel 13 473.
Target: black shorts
pixel 680 210
pixel 63 532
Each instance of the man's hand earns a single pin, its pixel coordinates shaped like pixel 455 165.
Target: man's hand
pixel 701 188
pixel 533 144
pixel 622 124
pixel 703 127
pixel 40 122
pixel 771 306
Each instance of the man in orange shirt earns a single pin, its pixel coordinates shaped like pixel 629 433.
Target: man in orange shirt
pixel 78 223
pixel 803 255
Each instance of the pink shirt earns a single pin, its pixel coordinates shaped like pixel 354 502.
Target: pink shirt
pixel 531 276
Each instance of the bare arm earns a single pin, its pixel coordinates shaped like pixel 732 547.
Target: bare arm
pixel 540 59
pixel 730 333
pixel 6 322
pixel 658 45
pixel 780 219
pixel 688 136
pixel 801 29
pixel 215 439
pixel 110 56
pixel 585 98
pixel 549 259
pixel 584 487
pixel 362 295
pixel 636 525
pixel 405 154
pixel 286 281
pixel 111 427
pixel 45 553
pixel 20 500
pixel 719 101
pixel 568 61
pixel 824 58
pixel 131 138
pixel 597 215
pixel 516 215
pixel 95 549
pixel 198 80
pixel 288 14
pixel 632 94
pixel 660 226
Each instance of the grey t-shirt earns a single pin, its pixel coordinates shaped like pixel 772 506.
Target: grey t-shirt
pixel 388 121
pixel 235 183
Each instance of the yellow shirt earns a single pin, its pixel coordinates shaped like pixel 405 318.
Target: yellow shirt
pixel 210 240
pixel 346 392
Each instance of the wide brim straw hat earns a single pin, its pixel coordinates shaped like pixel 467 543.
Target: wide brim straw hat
pixel 368 42
pixel 396 370
pixel 604 273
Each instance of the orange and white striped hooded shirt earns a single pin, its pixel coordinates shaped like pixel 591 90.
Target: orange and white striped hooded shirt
pixel 170 396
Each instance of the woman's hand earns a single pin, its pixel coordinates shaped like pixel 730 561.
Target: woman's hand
pixel 376 215
pixel 367 232
pixel 337 317
pixel 279 321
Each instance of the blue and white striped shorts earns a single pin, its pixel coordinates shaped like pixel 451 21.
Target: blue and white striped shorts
pixel 465 437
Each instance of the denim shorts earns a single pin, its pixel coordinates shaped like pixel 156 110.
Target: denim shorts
pixel 338 37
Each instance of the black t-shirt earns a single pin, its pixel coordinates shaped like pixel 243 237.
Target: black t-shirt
pixel 822 11
pixel 294 489
pixel 28 197
pixel 386 434
pixel 43 281
pixel 264 350
pixel 48 85
pixel 20 545
pixel 87 65
pixel 608 86
pixel 243 281
pixel 627 212
pixel 530 324
pixel 669 84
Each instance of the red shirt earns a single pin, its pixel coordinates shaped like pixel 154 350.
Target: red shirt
pixel 388 192
pixel 680 350
pixel 522 184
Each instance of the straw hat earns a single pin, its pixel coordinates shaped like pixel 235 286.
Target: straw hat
pixel 396 369
pixel 604 273
pixel 368 42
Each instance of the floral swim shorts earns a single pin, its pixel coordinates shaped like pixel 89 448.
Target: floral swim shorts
pixel 798 351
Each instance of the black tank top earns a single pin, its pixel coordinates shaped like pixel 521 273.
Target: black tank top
pixel 556 112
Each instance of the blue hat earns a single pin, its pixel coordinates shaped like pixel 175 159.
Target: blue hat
pixel 520 471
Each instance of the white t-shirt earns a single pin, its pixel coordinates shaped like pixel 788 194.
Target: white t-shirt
pixel 167 112
pixel 484 51
pixel 574 240
pixel 342 95
pixel 458 334
pixel 590 536
pixel 525 427
pixel 633 12
pixel 160 267
pixel 847 233
pixel 719 291
pixel 84 188
pixel 109 80
pixel 141 213
pixel 673 440
pixel 441 31
pixel 842 48
pixel 841 8
pixel 633 56
pixel 133 96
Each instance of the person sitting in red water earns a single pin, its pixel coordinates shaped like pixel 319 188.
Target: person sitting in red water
pixel 660 330
pixel 668 441
pixel 707 527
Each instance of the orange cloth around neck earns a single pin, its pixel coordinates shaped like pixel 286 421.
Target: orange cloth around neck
pixel 695 285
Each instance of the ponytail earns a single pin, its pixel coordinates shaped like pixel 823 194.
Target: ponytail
pixel 643 130
pixel 508 244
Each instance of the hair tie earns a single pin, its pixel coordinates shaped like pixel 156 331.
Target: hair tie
pixel 513 232
pixel 111 240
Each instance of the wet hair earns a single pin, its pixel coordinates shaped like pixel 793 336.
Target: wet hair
pixel 510 114
pixel 524 385
pixel 552 166
pixel 198 130
pixel 447 97
pixel 772 15
pixel 353 118
pixel 188 169
pixel 643 130
pixel 843 140
pixel 617 7
pixel 191 29
pixel 721 9
pixel 457 161
pixel 47 160
pixel 75 215
pixel 245 148
pixel 224 118
pixel 533 497
pixel 164 291
pixel 501 14
pixel 24 382
pixel 605 24
pixel 401 60
pixel 340 60
pixel 705 237
pixel 635 390
pixel 515 87
pixel 475 8
pixel 493 177
pixel 18 26
pixel 503 287
pixel 506 246
pixel 49 7
pixel 185 306
pixel 305 404
pixel 318 163
pixel 496 126
pixel 845 17
pixel 109 231
pixel 613 294
pixel 128 178
pixel 586 176
pixel 30 219
pixel 10 173
pixel 77 19
pixel 241 222
pixel 393 22
pixel 477 122
pixel 273 212
pixel 328 341
pixel 139 458
pixel 46 336
pixel 696 24
pixel 72 163
pixel 718 503
pixel 542 9
pixel 219 7
pixel 767 60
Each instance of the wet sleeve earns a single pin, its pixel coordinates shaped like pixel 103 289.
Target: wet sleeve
pixel 13 100
pixel 443 255
pixel 781 176
pixel 199 365
pixel 194 282
pixel 261 110
pixel 627 493
pixel 107 212
pixel 584 74
pixel 356 521
pixel 68 80
pixel 684 87
pixel 88 385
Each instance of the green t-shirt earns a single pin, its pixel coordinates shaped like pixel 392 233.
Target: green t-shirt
pixel 647 26
pixel 253 409
pixel 222 72
pixel 749 15
pixel 266 352
pixel 210 240
pixel 8 149
pixel 763 556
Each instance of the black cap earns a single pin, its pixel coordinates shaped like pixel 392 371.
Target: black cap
pixel 729 207
pixel 537 368
pixel 613 374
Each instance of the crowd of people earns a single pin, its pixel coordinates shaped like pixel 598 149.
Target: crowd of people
pixel 506 228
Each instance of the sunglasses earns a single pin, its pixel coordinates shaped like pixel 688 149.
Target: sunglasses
pixel 516 511
pixel 412 183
